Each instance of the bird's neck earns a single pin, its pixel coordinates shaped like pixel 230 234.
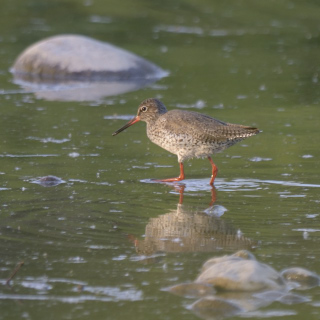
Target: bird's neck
pixel 153 118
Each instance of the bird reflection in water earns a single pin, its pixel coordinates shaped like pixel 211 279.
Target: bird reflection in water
pixel 181 187
pixel 190 229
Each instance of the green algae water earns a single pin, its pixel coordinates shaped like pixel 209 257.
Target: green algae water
pixel 105 241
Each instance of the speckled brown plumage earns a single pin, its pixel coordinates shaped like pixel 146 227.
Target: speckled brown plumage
pixel 188 134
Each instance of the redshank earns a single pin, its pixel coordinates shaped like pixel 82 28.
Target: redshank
pixel 187 134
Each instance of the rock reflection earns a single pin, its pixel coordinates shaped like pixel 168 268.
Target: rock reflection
pixel 189 229
pixel 81 91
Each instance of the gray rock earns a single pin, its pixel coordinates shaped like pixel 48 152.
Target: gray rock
pixel 75 57
pixel 78 68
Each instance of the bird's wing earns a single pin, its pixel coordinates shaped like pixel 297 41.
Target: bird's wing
pixel 205 127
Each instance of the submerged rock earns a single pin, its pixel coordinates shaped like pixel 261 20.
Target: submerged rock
pixel 305 278
pixel 49 181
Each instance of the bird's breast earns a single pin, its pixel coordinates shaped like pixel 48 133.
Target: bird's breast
pixel 165 138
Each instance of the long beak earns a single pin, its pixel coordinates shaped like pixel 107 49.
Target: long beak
pixel 130 123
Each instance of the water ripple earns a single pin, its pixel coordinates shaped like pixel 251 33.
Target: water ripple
pixel 79 291
pixel 233 185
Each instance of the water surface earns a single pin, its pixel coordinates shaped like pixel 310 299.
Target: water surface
pixel 104 242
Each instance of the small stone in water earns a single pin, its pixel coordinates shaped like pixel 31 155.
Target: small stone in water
pixel 305 278
pixel 49 181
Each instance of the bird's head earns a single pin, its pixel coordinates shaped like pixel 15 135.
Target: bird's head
pixel 149 110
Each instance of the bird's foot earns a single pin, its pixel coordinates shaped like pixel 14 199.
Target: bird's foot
pixel 181 176
pixel 169 179
pixel 212 180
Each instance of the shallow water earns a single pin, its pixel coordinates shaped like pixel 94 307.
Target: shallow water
pixel 106 240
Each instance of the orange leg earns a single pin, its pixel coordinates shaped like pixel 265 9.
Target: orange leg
pixel 214 171
pixel 181 176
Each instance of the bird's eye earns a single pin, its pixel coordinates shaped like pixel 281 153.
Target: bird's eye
pixel 143 109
